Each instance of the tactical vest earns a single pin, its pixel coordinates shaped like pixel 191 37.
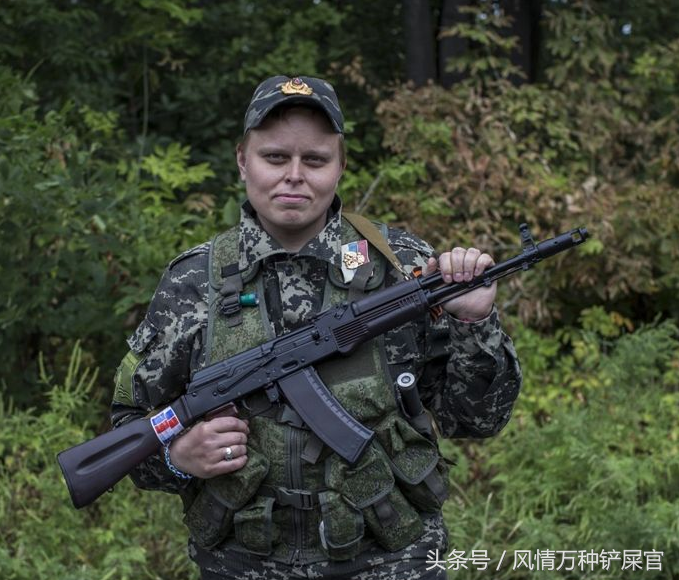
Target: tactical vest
pixel 295 498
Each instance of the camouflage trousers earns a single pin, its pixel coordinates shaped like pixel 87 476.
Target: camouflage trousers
pixel 414 562
pixel 364 567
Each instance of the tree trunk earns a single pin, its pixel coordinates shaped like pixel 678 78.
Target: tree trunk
pixel 451 47
pixel 419 36
pixel 525 26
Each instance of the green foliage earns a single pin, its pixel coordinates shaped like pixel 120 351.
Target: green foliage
pixel 598 472
pixel 127 534
pixel 183 71
pixel 87 227
pixel 489 56
pixel 561 370
pixel 389 172
pixel 169 166
pixel 593 144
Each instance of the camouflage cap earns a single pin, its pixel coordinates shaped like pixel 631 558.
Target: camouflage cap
pixel 307 91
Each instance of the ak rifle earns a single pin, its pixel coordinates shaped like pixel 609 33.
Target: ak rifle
pixel 283 368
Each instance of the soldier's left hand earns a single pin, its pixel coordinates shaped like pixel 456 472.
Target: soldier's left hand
pixel 461 265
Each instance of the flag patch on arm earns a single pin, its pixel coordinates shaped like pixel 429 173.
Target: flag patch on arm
pixel 166 424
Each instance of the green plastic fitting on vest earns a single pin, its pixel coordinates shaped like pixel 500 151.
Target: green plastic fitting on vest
pixel 249 299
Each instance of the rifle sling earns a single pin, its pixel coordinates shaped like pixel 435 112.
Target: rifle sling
pixel 366 228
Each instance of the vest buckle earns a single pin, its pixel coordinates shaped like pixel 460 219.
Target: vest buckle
pixel 300 499
pixel 230 305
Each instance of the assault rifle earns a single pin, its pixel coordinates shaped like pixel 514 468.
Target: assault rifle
pixel 283 368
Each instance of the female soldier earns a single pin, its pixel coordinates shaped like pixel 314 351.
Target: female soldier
pixel 263 497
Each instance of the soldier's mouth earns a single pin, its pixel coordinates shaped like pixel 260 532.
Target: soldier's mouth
pixel 290 198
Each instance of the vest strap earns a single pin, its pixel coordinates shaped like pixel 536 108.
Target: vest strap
pixel 313 449
pixel 300 499
pixel 286 414
pixel 435 484
pixel 386 513
pixel 423 425
pixel 360 281
pixel 229 303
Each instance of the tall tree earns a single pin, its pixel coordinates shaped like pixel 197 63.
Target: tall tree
pixel 524 17
pixel 451 46
pixel 423 62
pixel 417 24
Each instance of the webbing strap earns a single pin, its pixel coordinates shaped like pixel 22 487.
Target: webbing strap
pixel 436 486
pixel 360 281
pixel 366 228
pixel 313 449
pixel 300 499
pixel 386 513
pixel 229 303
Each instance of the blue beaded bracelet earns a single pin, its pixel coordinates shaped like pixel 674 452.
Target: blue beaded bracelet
pixel 172 468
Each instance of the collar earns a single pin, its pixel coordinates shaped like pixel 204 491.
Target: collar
pixel 255 244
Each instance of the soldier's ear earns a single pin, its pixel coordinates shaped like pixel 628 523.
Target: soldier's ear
pixel 240 160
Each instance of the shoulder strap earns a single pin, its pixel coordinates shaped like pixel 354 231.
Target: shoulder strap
pixel 224 257
pixel 366 228
pixel 225 298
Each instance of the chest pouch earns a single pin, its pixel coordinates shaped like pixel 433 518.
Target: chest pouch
pixel 414 459
pixel 210 516
pixel 254 527
pixel 370 487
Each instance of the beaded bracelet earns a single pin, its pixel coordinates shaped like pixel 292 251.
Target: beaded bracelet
pixel 172 468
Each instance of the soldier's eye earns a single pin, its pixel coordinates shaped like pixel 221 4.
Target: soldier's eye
pixel 315 160
pixel 275 157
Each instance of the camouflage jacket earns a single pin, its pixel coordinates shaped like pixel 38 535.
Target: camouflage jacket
pixel 468 373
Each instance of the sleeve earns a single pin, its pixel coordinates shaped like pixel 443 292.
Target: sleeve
pixel 471 376
pixel 468 373
pixel 164 351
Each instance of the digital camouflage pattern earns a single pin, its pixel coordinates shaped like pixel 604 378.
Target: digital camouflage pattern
pixel 468 374
pixel 411 563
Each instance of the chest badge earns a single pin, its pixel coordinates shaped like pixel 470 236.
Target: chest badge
pixel 354 254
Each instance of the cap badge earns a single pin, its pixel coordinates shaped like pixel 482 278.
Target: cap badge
pixel 296 86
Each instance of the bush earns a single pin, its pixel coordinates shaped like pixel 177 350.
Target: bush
pixel 88 227
pixel 595 471
pixel 592 144
pixel 124 535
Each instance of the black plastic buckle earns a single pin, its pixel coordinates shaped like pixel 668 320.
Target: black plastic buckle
pixel 297 498
pixel 230 305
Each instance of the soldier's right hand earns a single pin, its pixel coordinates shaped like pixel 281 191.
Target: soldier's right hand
pixel 203 452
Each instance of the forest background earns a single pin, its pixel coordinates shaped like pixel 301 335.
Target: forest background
pixel 118 122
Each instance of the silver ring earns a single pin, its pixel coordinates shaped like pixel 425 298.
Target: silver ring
pixel 228 454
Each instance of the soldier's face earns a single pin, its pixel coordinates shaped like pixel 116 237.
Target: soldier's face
pixel 291 165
